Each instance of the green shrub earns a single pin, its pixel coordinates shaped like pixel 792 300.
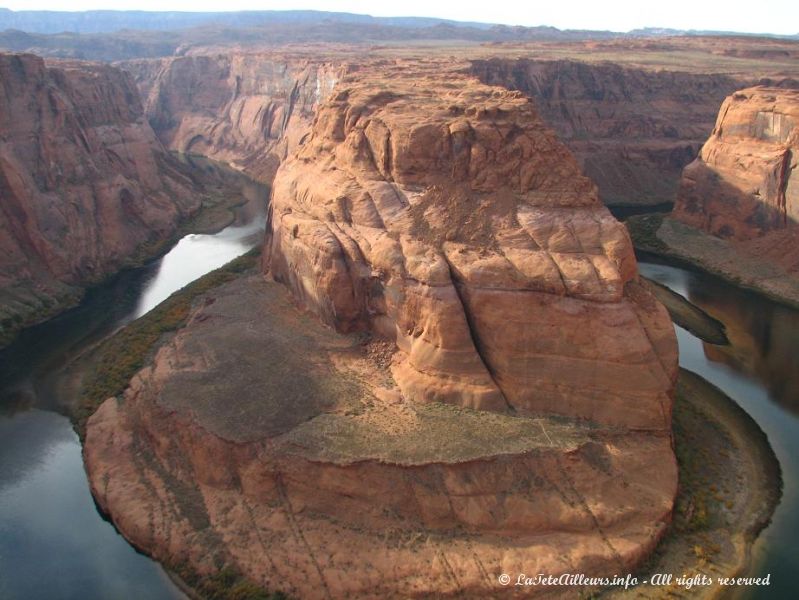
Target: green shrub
pixel 119 357
pixel 225 584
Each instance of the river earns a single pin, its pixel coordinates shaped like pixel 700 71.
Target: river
pixel 54 544
pixel 760 371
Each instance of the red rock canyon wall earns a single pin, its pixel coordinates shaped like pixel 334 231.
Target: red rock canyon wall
pixel 84 182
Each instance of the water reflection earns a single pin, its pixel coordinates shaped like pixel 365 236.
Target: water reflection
pixel 764 336
pixel 66 551
pixel 759 371
pixel 193 257
pixel 28 366
pixel 764 345
pixel 53 542
pixel 197 254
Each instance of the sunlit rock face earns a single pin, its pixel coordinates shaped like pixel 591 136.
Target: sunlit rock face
pixel 450 371
pixel 446 217
pixel 83 182
pixel 247 109
pixel 744 184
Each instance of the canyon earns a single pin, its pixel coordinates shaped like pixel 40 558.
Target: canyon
pixel 495 389
pixel 249 110
pixel 631 112
pixel 632 129
pixel 736 208
pixel 85 184
pixel 444 366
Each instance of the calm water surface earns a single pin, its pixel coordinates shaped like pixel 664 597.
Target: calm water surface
pixel 760 371
pixel 54 544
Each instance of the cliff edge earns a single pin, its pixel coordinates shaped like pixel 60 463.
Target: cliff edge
pixel 738 202
pixel 84 183
pixel 493 394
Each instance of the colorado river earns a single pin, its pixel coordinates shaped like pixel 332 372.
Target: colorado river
pixel 760 371
pixel 54 544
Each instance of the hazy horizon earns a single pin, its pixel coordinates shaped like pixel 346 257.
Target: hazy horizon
pixel 779 17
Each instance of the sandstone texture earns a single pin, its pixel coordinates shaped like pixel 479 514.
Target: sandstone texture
pixel 246 109
pixel 750 264
pixel 84 183
pixel 631 129
pixel 263 441
pixel 449 219
pixel 744 185
pixel 492 393
pixel 633 112
pixel 738 203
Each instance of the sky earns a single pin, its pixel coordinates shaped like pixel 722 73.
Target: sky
pixel 763 16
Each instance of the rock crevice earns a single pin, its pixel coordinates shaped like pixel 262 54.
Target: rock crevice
pixel 493 381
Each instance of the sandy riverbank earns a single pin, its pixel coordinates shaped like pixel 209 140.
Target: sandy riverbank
pixel 664 236
pixel 730 484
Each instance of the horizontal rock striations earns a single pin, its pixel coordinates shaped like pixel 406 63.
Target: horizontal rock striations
pixel 246 109
pixel 744 183
pixel 265 443
pixel 631 124
pixel 631 129
pixel 494 394
pixel 448 218
pixel 83 182
pixel 738 204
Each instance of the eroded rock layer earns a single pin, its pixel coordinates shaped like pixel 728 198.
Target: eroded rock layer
pixel 83 182
pixel 632 125
pixel 262 441
pixel 448 218
pixel 247 109
pixel 744 184
pixel 494 395
pixel 631 129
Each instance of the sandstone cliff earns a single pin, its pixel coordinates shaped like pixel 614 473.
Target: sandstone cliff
pixel 632 129
pixel 496 398
pixel 743 185
pixel 454 223
pixel 265 443
pixel 738 202
pixel 83 183
pixel 246 109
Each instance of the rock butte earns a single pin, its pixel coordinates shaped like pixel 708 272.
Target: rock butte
pixel 453 222
pixel 496 398
pixel 743 186
pixel 84 182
